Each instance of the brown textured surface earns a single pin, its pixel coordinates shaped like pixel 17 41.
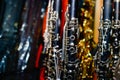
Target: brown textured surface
pixel 98 6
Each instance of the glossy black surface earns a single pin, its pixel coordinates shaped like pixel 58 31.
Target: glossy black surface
pixel 107 9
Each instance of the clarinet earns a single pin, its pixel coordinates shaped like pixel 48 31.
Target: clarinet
pixel 115 40
pixel 57 51
pixel 71 62
pixel 52 45
pixel 22 60
pixel 9 34
pixel 103 54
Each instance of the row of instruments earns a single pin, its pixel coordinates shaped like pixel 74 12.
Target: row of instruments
pixel 61 33
pixel 74 59
pixel 62 62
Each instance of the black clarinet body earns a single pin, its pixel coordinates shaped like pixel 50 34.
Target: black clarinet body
pixel 71 62
pixel 116 27
pixel 56 39
pixel 22 64
pixel 115 40
pixel 107 22
pixel 53 46
pixel 104 42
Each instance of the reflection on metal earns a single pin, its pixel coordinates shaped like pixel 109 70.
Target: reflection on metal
pixel 86 43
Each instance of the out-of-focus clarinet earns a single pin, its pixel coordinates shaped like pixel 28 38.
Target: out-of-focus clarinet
pixel 24 42
pixel 11 12
pixel 71 62
pixel 115 41
pixel 103 54
pixel 53 48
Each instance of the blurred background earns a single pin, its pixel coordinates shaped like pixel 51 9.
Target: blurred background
pixel 23 24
